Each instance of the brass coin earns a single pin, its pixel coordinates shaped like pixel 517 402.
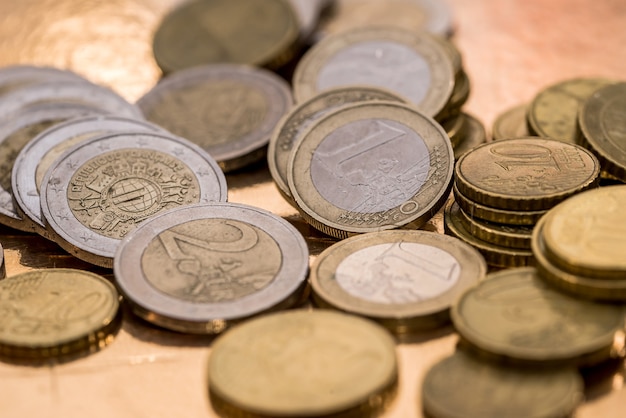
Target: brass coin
pixel 603 124
pixel 369 167
pixel 263 33
pixel 514 316
pixel 405 280
pixel 553 112
pixel 525 173
pixel 56 312
pixel 270 366
pixel 462 386
pixel 411 64
pixel 511 123
pixel 472 135
pixel 291 127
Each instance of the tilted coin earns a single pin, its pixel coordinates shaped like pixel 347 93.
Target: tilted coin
pixel 369 167
pixel 602 121
pixel 229 110
pixel 200 268
pixel 53 313
pixel 411 64
pixel 293 125
pixel 405 280
pixel 227 31
pixel 102 188
pixel 553 112
pixel 17 76
pixel 3 270
pixel 525 173
pixel 272 365
pixel 511 123
pixel 462 386
pixel 515 317
pixel 37 156
pixel 472 135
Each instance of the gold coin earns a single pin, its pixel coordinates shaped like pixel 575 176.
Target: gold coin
pixel 263 33
pixel 525 173
pixel 511 123
pixel 515 317
pixel 553 112
pixel 472 135
pixel 302 363
pixel 405 280
pixel 54 313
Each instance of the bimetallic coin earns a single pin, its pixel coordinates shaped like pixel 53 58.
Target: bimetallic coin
pixel 292 126
pixel 101 189
pixel 511 123
pixel 462 386
pixel 405 280
pixel 229 110
pixel 411 64
pixel 525 173
pixel 53 313
pixel 17 76
pixel 200 268
pixel 473 135
pixel 37 156
pixel 369 167
pixel 347 362
pixel 227 31
pixel 515 317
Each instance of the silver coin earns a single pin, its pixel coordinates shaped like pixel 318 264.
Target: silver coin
pixel 17 76
pixel 199 268
pixel 101 189
pixel 38 155
pixel 15 132
pixel 3 271
pixel 229 110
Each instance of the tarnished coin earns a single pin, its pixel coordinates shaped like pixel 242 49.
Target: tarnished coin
pixel 253 32
pixel 603 123
pixel 511 123
pixel 515 317
pixel 473 135
pixel 405 280
pixel 102 188
pixel 200 268
pixel 272 365
pixel 462 386
pixel 293 125
pixel 369 167
pixel 525 173
pixel 54 313
pixel 411 64
pixel 553 112
pixel 17 76
pixel 229 110
pixel 37 156
pixel 3 271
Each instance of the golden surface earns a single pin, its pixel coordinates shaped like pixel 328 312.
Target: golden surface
pixel 511 50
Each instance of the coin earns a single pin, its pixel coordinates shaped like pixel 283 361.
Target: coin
pixel 54 313
pixel 411 64
pixel 229 110
pixel 17 76
pixel 270 366
pixel 603 125
pixel 369 167
pixel 291 127
pixel 3 271
pixel 454 127
pixel 515 317
pixel 37 156
pixel 554 110
pixel 102 188
pixel 511 123
pixel 242 31
pixel 308 13
pixel 462 386
pixel 459 96
pixel 201 268
pixel 474 135
pixel 405 280
pixel 525 173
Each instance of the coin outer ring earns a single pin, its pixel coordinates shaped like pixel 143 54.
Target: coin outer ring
pixel 415 315
pixel 432 134
pixel 81 241
pixel 306 73
pixel 193 317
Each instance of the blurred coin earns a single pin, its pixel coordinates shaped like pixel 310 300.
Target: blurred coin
pixel 411 64
pixel 511 123
pixel 308 13
pixel 229 110
pixel 347 362
pixel 102 188
pixel 454 127
pixel 201 268
pixel 405 280
pixel 459 96
pixel 369 167
pixel 17 76
pixel 472 134
pixel 227 31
